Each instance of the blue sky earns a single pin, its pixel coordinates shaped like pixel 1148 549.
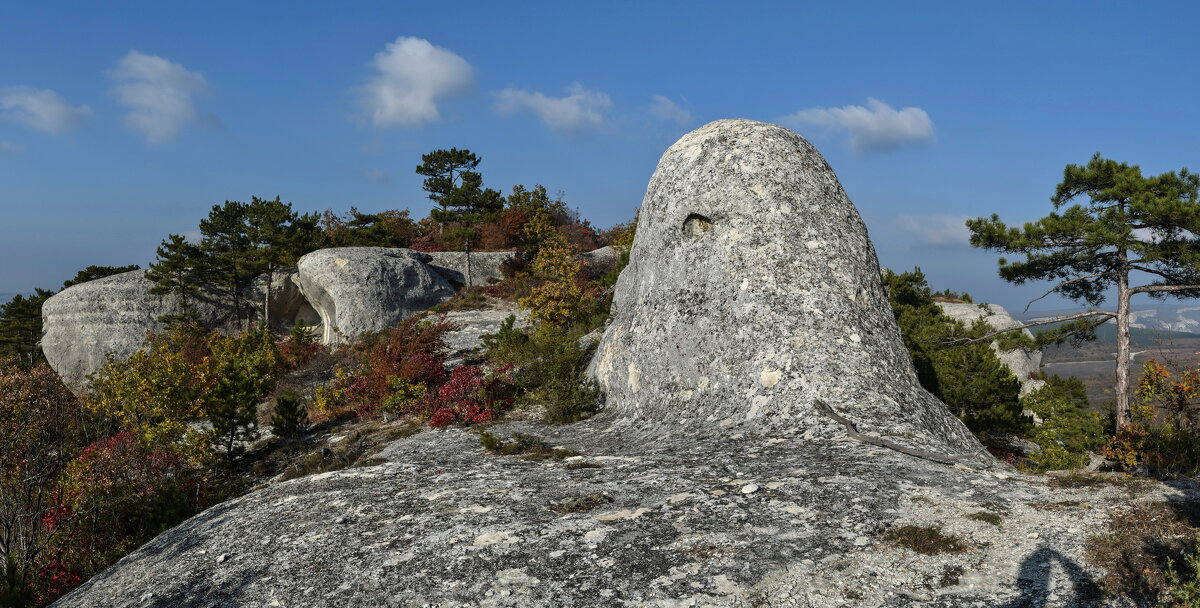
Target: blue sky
pixel 122 122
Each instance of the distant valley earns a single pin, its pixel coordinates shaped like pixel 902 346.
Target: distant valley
pixel 1168 334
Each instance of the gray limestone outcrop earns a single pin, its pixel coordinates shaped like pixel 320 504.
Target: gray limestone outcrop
pixel 748 521
pixel 286 306
pixel 711 478
pixel 486 267
pixel 472 325
pixel 752 291
pixel 361 289
pixel 1026 365
pixel 84 323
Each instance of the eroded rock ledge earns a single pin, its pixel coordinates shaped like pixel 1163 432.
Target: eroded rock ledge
pixel 445 524
pixel 710 478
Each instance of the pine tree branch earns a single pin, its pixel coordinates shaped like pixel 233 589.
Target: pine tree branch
pixel 1162 288
pixel 1150 271
pixel 988 336
pixel 1059 286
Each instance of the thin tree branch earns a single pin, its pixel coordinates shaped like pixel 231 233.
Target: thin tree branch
pixel 1094 313
pixel 1161 288
pixel 1150 270
pixel 1056 288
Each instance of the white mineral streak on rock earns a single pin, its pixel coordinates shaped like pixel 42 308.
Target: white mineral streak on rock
pixel 769 377
pixel 493 538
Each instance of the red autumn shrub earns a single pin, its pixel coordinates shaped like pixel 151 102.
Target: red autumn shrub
pixel 428 242
pixel 115 496
pixel 405 357
pixel 470 396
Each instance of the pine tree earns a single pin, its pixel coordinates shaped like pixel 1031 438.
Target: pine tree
pixel 289 418
pixel 1129 227
pixel 453 183
pixel 277 238
pixel 92 273
pixel 224 244
pixel 178 271
pixel 966 375
pixel 21 328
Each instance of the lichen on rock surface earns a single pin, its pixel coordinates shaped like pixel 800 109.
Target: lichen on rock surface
pixel 753 290
pixel 712 478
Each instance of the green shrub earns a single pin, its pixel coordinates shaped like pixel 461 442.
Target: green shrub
pixel 289 418
pixel 1183 590
pixel 966 376
pixel 529 447
pixel 552 366
pixel 1070 430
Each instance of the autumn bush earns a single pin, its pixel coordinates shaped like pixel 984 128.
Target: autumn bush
pixel 116 495
pixel 42 428
pixel 549 366
pixel 472 396
pixel 1163 434
pixel 186 375
pixel 300 347
pixel 394 370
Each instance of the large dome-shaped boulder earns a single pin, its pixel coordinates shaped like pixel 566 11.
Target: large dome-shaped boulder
pixel 84 323
pixel 752 292
pixel 361 289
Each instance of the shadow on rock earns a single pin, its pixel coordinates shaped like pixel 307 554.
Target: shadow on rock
pixel 1034 581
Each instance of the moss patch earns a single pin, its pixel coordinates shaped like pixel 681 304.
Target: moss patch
pixel 926 540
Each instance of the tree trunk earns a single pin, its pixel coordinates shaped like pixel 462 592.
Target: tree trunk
pixel 468 251
pixel 1123 295
pixel 267 297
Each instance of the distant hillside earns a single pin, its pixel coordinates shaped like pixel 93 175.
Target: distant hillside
pixel 1181 317
pixel 1140 337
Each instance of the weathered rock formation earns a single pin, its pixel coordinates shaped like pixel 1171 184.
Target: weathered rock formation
pixel 752 292
pixel 472 325
pixel 85 322
pixel 360 289
pixel 485 268
pixel 286 306
pixel 1026 365
pixel 749 521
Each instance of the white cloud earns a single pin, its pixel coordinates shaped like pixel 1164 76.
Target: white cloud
pixel 158 93
pixel 578 111
pixel 936 229
pixel 664 108
pixel 413 75
pixel 41 109
pixel 877 127
pixel 377 175
pixel 7 146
